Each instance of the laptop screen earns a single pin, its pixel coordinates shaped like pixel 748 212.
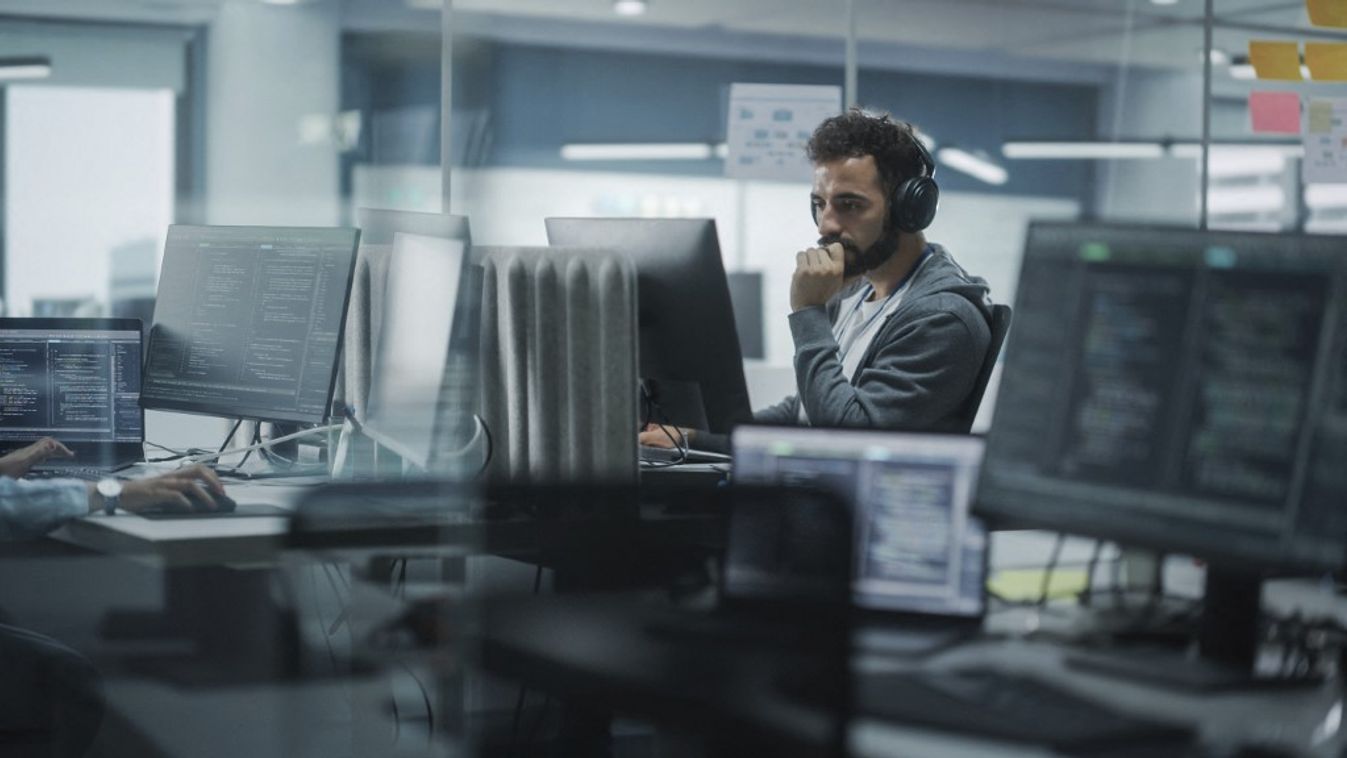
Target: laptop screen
pixel 77 380
pixel 916 547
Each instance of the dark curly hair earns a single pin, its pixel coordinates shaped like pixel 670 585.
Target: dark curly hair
pixel 858 133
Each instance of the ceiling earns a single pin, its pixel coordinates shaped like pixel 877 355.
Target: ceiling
pixel 992 33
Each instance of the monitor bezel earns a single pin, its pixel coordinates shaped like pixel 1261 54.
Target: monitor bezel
pixel 202 409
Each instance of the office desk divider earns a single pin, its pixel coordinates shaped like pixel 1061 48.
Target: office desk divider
pixel 559 360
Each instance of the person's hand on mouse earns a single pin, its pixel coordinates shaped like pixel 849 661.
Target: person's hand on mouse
pixel 668 436
pixel 17 463
pixel 177 489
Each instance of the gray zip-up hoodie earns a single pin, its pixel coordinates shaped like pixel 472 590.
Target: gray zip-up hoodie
pixel 918 371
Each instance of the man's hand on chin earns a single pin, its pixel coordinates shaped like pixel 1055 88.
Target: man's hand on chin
pixel 819 274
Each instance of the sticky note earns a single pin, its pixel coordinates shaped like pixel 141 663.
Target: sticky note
pixel 1327 61
pixel 1275 60
pixel 1327 12
pixel 1321 117
pixel 1275 112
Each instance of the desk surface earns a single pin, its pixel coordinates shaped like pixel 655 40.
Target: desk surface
pixel 263 539
pixel 186 542
pixel 594 646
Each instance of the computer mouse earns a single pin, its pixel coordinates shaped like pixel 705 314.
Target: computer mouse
pixel 223 503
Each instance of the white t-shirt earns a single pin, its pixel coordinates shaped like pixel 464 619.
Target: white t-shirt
pixel 858 321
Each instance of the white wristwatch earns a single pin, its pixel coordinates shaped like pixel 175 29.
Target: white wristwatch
pixel 111 490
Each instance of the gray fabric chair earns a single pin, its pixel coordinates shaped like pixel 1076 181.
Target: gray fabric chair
pixel 1000 325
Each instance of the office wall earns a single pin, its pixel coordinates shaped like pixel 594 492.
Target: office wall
pixel 102 56
pixel 516 104
pixel 761 224
pixel 272 90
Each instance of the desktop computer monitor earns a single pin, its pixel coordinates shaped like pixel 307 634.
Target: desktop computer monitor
pixel 1177 389
pixel 1182 391
pixel 424 356
pixel 248 321
pixel 689 347
pixel 74 379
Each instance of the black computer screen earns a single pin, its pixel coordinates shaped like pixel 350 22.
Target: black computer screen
pixel 248 321
pixel 1179 390
pixel 688 342
pixel 74 379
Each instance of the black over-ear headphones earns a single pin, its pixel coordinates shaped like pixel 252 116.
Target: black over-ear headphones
pixel 913 205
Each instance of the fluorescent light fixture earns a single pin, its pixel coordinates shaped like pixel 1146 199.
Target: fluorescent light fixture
pixel 630 7
pixel 1194 150
pixel 1218 57
pixel 24 68
pixel 1234 200
pixel 977 166
pixel 1164 2
pixel 1080 150
pixel 628 151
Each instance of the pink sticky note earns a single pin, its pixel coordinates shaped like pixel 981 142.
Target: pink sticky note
pixel 1275 112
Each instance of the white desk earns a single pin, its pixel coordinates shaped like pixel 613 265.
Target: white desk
pixel 171 543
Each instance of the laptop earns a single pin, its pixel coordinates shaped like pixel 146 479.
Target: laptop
pixel 77 380
pixel 919 558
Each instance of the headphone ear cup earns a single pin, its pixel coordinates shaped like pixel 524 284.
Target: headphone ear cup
pixel 813 211
pixel 914 204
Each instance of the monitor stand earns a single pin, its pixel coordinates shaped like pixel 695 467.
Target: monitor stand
pixel 1226 650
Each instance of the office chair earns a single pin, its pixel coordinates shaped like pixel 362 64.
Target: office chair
pixel 1000 325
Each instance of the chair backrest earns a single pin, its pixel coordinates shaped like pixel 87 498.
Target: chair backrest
pixel 559 363
pixel 1000 325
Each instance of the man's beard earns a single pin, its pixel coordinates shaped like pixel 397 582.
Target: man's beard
pixel 858 261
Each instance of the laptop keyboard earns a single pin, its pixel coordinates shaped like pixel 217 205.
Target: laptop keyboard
pixel 86 473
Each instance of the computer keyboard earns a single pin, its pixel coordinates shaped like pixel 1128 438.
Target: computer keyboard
pixel 651 454
pixel 1002 705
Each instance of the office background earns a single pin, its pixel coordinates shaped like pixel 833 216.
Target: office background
pixel 250 112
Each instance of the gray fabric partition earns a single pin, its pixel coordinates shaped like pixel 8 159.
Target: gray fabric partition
pixel 559 363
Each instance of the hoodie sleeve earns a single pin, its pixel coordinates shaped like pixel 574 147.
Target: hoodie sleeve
pixel 784 413
pixel 921 373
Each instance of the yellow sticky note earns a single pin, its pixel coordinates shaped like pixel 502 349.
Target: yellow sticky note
pixel 1327 12
pixel 1327 61
pixel 1275 60
pixel 1321 117
pixel 1019 585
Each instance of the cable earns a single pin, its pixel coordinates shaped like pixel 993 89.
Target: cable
pixel 680 443
pixel 230 437
pixel 1089 572
pixel 490 444
pixel 268 444
pixel 1052 566
pixel 425 698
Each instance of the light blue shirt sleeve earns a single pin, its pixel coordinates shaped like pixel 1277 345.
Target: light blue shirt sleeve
pixel 33 508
